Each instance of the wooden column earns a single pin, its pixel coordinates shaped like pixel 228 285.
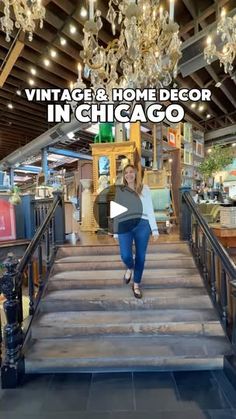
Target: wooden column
pixel 154 142
pixel 159 147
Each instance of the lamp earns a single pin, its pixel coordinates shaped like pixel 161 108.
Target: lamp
pixel 26 12
pixel 226 28
pixel 145 53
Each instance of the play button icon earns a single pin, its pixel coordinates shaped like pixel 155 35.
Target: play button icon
pixel 116 209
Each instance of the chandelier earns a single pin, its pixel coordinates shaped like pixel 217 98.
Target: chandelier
pixel 26 12
pixel 226 28
pixel 145 51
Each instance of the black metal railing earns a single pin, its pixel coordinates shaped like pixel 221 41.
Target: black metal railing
pixel 41 207
pixel 216 266
pixel 33 269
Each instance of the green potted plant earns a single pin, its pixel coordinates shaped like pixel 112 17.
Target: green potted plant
pixel 219 158
pixel 15 198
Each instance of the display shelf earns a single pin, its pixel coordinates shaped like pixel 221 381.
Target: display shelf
pixel 114 152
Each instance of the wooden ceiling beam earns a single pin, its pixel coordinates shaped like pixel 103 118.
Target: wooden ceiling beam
pixel 16 143
pixel 15 122
pixel 17 137
pixel 204 15
pixel 21 131
pixel 24 111
pixel 10 62
pixel 11 90
pixel 199 82
pixel 192 9
pixel 22 101
pixel 183 84
pixel 19 118
pixel 23 77
pixel 41 46
pixel 6 145
pixel 16 125
pixel 68 8
pixel 68 59
pixel 223 88
pixel 45 74
pixel 60 69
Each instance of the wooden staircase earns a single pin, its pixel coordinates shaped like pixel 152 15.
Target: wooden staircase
pixel 88 320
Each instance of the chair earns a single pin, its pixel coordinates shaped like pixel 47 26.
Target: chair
pixel 161 199
pixel 211 212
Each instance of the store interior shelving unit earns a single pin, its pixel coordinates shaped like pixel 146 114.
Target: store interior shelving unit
pixel 192 154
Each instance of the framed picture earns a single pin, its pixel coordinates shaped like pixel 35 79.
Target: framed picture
pixel 199 149
pixel 171 135
pixel 187 132
pixel 7 221
pixel 188 157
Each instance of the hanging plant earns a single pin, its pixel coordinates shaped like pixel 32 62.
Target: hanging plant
pixel 15 198
pixel 219 158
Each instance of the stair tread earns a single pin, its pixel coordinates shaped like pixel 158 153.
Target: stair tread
pixel 123 293
pixel 89 320
pixel 65 283
pixel 116 257
pixel 108 348
pixel 119 273
pixel 62 319
pixel 123 299
pixel 105 248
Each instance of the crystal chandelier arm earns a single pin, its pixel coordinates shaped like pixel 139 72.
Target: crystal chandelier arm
pixel 144 54
pixel 227 28
pixel 26 13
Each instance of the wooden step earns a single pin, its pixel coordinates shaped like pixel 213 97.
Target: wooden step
pixel 124 353
pixel 82 280
pixel 122 299
pixel 149 322
pixel 58 272
pixel 90 264
pixel 116 258
pixel 104 249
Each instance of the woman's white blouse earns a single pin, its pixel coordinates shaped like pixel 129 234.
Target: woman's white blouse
pixel 148 212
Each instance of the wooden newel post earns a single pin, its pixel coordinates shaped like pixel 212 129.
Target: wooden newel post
pixel 233 294
pixel 13 365
pixel 59 219
pixel 184 216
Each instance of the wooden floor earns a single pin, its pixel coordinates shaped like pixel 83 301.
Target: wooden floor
pixel 87 238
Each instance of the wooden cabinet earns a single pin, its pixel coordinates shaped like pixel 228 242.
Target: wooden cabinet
pixel 115 153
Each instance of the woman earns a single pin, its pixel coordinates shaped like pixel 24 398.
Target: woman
pixel 140 232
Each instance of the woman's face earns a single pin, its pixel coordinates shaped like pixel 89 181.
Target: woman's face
pixel 130 175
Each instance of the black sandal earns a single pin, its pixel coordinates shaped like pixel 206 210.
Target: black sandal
pixel 127 280
pixel 137 292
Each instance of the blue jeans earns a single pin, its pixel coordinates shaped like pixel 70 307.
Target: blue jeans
pixel 140 235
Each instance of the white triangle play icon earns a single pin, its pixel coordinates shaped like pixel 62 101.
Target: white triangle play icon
pixel 116 209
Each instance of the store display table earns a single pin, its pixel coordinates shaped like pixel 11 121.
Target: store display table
pixel 226 235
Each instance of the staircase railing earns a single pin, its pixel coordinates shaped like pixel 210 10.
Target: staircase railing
pixel 216 266
pixel 41 249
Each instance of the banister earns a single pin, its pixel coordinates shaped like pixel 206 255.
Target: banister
pixel 39 233
pixel 216 245
pixel 45 239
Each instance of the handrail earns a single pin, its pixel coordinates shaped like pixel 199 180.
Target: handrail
pixel 216 245
pixel 38 235
pixel 50 233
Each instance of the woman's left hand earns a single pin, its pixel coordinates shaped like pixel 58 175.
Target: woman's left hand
pixel 155 238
